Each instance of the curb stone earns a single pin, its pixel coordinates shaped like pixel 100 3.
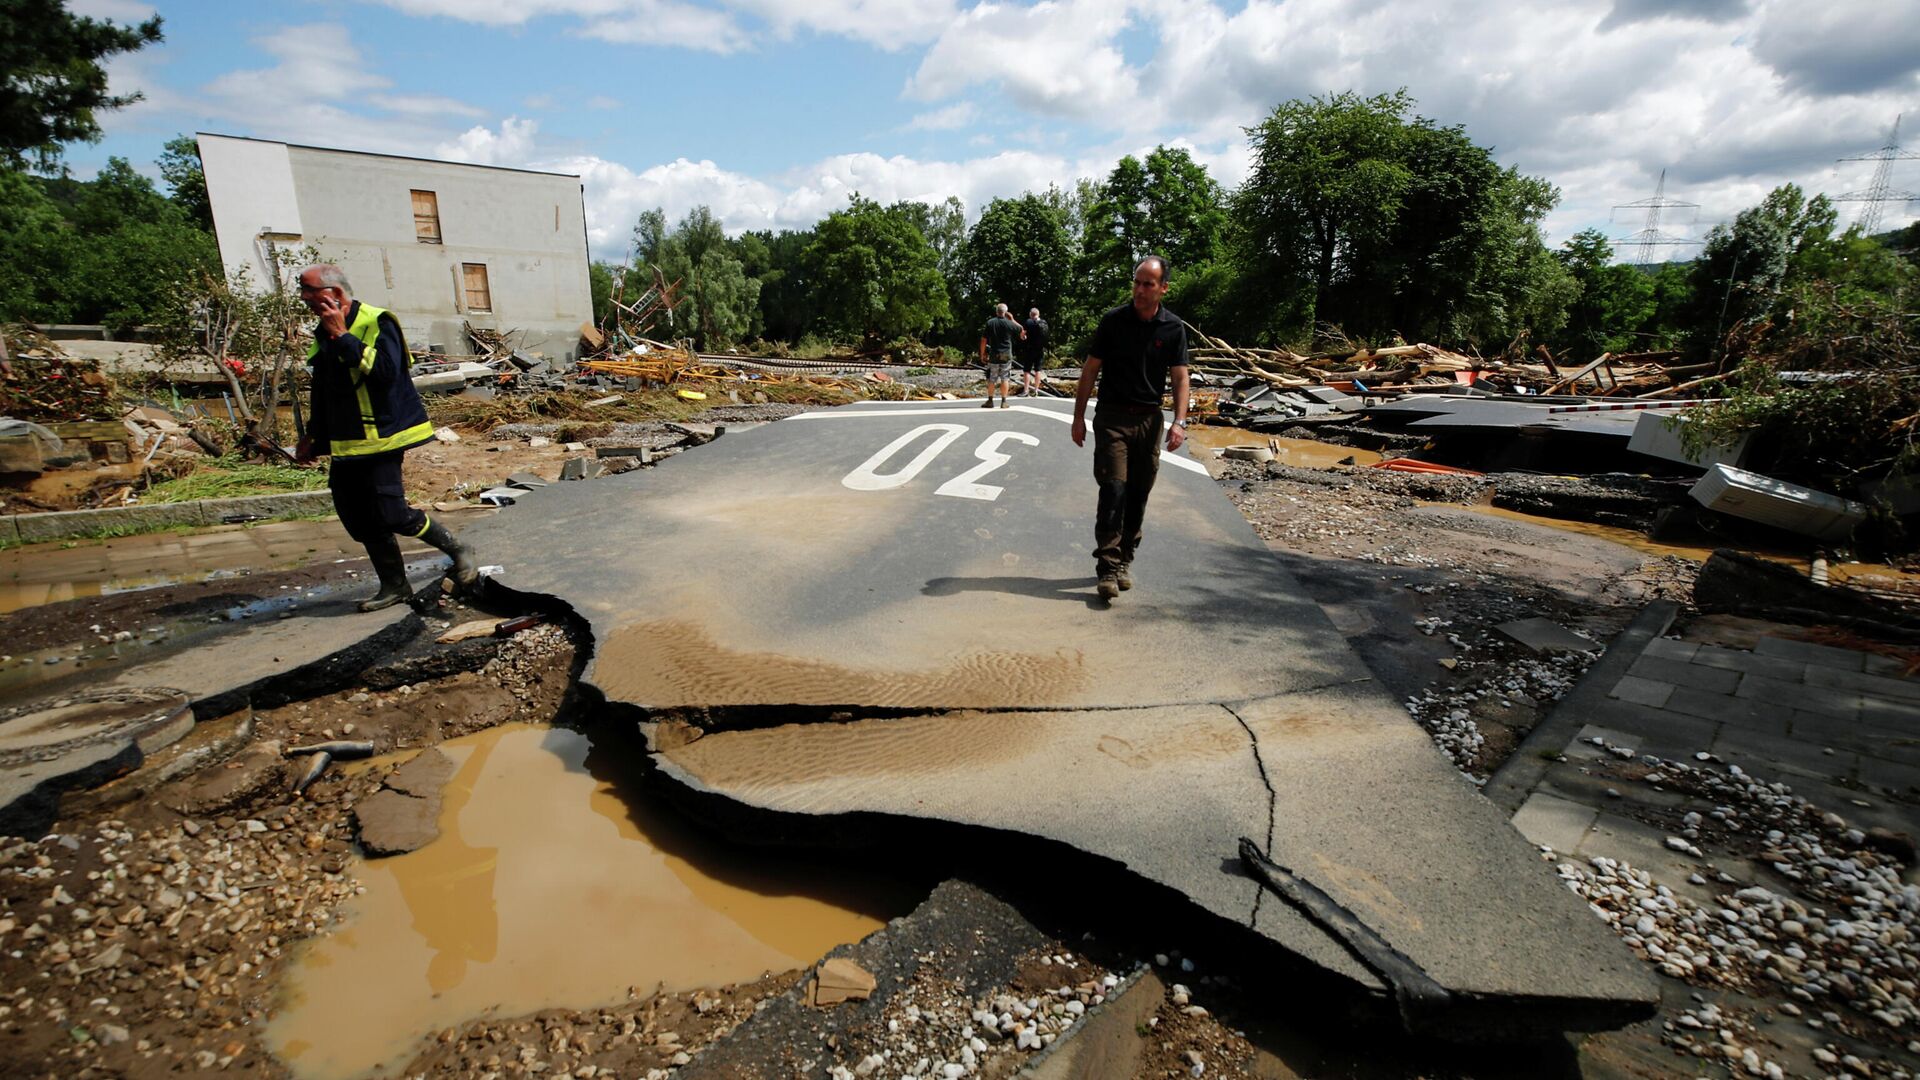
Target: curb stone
pixel 70 524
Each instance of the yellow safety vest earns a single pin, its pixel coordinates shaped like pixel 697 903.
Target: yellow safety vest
pixel 366 327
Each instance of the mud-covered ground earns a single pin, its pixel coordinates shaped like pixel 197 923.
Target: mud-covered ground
pixel 146 940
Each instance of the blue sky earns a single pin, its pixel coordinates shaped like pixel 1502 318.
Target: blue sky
pixel 772 111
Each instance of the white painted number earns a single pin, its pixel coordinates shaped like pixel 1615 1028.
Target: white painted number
pixel 868 476
pixel 963 486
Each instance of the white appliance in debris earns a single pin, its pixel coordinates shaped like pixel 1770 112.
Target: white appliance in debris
pixel 1749 495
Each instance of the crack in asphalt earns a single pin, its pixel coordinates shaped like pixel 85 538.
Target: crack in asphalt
pixel 1273 799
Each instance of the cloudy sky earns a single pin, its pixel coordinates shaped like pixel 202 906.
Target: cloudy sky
pixel 772 111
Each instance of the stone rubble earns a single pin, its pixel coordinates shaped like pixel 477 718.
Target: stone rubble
pixel 1838 930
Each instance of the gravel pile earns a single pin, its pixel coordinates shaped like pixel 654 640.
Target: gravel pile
pixel 1838 932
pixel 130 934
pixel 933 1033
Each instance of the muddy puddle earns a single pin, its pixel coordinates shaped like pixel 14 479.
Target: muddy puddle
pixel 548 887
pixel 1303 453
pixel 1631 538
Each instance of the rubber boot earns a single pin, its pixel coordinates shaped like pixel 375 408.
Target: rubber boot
pixel 392 568
pixel 466 566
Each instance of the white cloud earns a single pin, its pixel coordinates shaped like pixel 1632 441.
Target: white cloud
pixel 951 118
pixel 664 22
pixel 479 145
pixel 601 101
pixel 1058 58
pixel 886 24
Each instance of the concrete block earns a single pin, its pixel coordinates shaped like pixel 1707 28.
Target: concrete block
pixel 1807 651
pixel 1669 649
pixel 286 504
pixel 1683 673
pixel 1639 691
pixel 1558 823
pixel 66 524
pixel 1772 757
pixel 1844 704
pixel 1889 715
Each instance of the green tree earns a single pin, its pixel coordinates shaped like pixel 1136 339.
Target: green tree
pixel 600 287
pixel 1357 212
pixel 779 262
pixel 718 302
pixel 179 164
pixel 1326 185
pixel 37 276
pixel 1017 255
pixel 874 275
pixel 1167 205
pixel 51 80
pixel 1743 268
pixel 1614 300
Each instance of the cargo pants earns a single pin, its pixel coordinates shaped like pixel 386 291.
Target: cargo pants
pixel 1126 460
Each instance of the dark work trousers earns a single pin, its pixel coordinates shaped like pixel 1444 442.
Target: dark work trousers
pixel 1126 459
pixel 371 499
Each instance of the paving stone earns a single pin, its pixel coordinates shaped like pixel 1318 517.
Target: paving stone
pixel 1770 755
pixel 1877 685
pixel 1723 709
pixel 1896 777
pixel 1821 699
pixel 1685 673
pixel 1670 649
pixel 1807 651
pixel 1893 717
pixel 1636 842
pixel 1774 667
pixel 1560 824
pixel 1639 691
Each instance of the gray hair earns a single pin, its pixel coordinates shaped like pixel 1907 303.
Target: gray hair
pixel 1166 270
pixel 329 276
pixel 1033 313
pixel 999 309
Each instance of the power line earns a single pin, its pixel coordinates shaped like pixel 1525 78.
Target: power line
pixel 1650 237
pixel 1877 192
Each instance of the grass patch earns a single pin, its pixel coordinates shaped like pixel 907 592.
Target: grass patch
pixel 228 477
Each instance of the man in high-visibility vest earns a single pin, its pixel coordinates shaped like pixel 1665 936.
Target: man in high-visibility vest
pixel 364 411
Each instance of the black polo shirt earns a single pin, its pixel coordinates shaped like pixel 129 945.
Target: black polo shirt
pixel 1001 334
pixel 1035 343
pixel 1136 353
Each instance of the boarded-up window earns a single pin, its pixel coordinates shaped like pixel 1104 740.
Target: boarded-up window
pixel 426 217
pixel 474 276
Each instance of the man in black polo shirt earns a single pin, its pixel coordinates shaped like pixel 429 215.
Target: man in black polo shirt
pixel 1135 347
pixel 1033 351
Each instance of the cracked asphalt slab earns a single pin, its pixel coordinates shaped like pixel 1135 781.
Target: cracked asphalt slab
pixel 915 578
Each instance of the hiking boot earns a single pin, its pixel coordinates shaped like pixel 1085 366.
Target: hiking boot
pixel 1003 403
pixel 391 566
pixel 466 566
pixel 987 404
pixel 1123 576
pixel 1109 585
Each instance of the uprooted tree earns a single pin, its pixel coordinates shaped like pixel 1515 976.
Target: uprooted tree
pixel 254 334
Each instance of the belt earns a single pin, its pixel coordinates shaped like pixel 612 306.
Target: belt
pixel 1127 407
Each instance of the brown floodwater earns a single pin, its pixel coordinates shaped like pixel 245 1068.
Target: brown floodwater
pixel 46 573
pixel 1304 453
pixel 550 887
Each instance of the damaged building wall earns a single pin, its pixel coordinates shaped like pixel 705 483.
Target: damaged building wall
pixel 500 249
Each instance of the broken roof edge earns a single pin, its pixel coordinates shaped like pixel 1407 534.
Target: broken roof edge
pixel 376 153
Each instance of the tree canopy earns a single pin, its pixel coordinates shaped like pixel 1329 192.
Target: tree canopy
pixel 873 274
pixel 52 84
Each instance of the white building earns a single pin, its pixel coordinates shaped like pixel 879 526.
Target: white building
pixel 441 244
